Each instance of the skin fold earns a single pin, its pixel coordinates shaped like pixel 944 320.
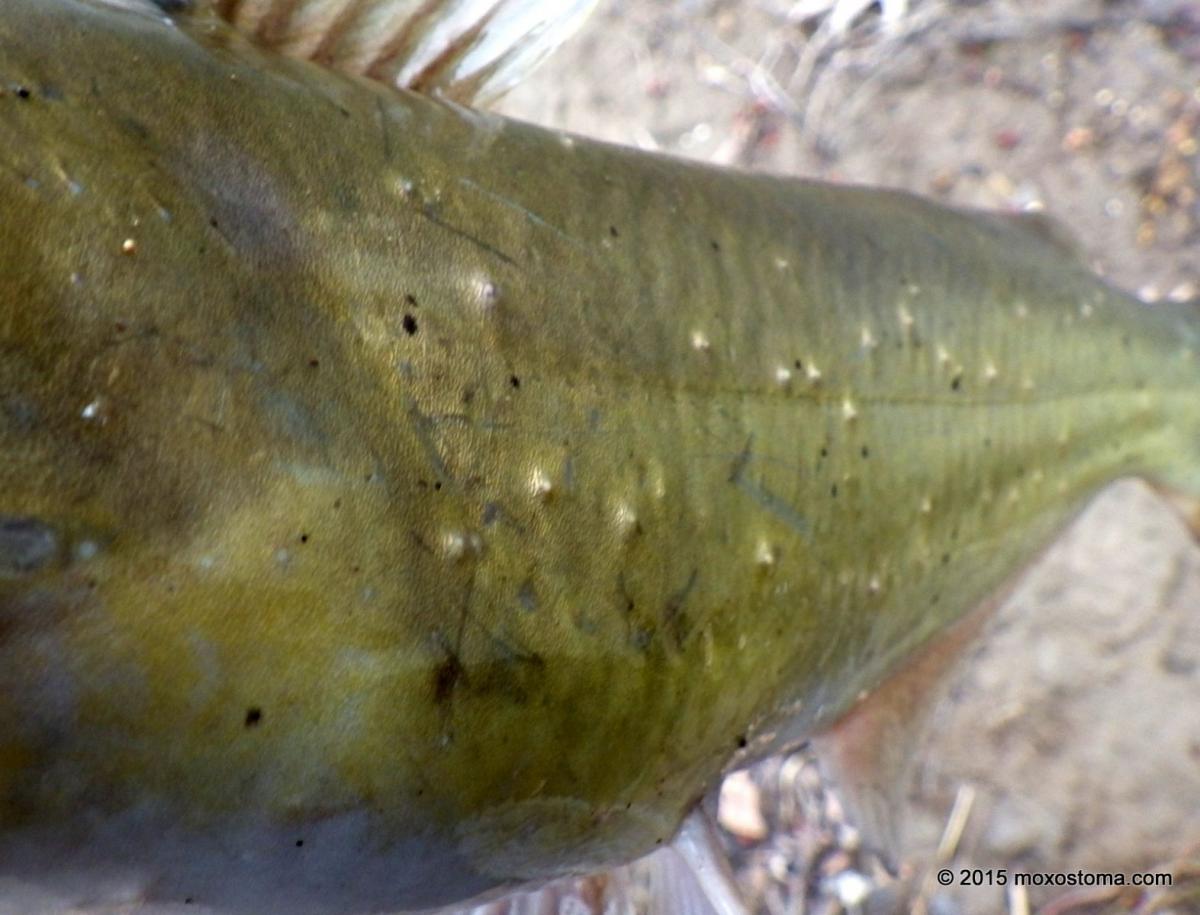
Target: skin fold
pixel 399 503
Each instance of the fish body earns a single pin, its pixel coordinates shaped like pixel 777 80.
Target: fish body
pixel 399 503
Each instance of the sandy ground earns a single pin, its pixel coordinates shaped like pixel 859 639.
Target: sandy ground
pixel 1072 739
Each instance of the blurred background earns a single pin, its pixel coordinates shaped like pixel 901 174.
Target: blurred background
pixel 1071 740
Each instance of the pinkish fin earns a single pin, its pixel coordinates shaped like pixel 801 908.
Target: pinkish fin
pixel 870 752
pixel 691 876
pixel 1185 505
pixel 468 51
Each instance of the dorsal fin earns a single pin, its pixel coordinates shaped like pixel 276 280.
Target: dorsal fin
pixel 468 51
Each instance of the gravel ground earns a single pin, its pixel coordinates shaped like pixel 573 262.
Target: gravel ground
pixel 1071 743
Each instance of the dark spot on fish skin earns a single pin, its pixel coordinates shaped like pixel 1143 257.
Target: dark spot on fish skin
pixel 674 619
pixel 23 93
pixel 314 363
pixel 446 677
pixel 935 598
pixel 956 383
pixel 26 545
pixel 253 716
pixel 411 300
pixel 173 6
pixel 409 323
pixel 299 843
pixel 824 452
pixel 715 245
pixel 865 452
pixel 833 490
pixel 799 365
pixel 945 559
pixel 742 743
pixel 304 538
pixel 612 230
pixel 514 381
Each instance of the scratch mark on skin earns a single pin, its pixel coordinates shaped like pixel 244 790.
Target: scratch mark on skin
pixel 673 619
pixel 529 214
pixel 381 119
pixel 773 504
pixel 429 213
pixel 422 426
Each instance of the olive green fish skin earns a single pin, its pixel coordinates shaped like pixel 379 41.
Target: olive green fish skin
pixel 369 464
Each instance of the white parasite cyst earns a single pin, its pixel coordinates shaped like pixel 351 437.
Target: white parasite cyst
pixel 866 339
pixel 874 586
pixel 943 356
pixel 906 317
pixel 926 505
pixel 700 342
pixel 783 375
pixel 812 373
pixel 461 545
pixel 849 411
pixel 765 555
pixel 1022 310
pixel 129 246
pixel 990 372
pixel 487 293
pixel 625 520
pixel 541 486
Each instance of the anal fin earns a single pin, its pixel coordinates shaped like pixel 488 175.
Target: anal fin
pixel 870 752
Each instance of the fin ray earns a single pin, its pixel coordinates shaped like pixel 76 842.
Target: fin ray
pixel 469 51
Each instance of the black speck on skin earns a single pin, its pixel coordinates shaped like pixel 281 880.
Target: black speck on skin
pixel 514 381
pixel 410 299
pixel 956 384
pixel 833 490
pixel 409 324
pixel 445 678
pixel 253 716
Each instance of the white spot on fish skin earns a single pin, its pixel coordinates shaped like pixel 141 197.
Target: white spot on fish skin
pixel 1037 476
pixel 874 586
pixel 906 318
pixel 781 263
pixel 943 356
pixel 626 520
pixel 1022 310
pixel 783 375
pixel 700 341
pixel 1086 310
pixel 95 411
pixel 866 340
pixel 462 545
pixel 541 486
pixel 813 373
pixel 926 506
pixel 849 411
pixel 990 372
pixel 487 294
pixel 405 187
pixel 206 562
pixel 766 555
pixel 283 557
pixel 129 246
pixel 86 549
pixel 566 141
